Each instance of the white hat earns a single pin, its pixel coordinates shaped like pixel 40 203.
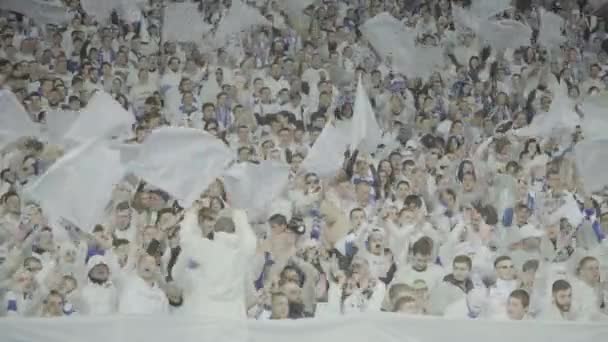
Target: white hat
pixel 94 261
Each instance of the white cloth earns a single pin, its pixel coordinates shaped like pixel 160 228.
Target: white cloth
pixel 139 298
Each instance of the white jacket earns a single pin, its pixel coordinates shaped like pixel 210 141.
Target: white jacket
pixel 98 300
pixel 139 298
pixel 214 273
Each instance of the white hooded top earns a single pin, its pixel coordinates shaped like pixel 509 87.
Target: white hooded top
pixel 98 299
pixel 214 273
pixel 139 298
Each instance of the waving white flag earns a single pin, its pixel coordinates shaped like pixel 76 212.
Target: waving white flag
pixel 103 117
pixel 240 17
pixel 184 23
pixel 14 120
pixel 181 161
pixel 392 41
pixel 591 162
pixel 365 134
pixel 505 34
pixel 254 186
pixel 79 186
pixel 326 156
pixel 550 33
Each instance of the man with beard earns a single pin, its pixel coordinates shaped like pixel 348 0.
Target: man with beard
pixel 99 295
pixel 561 304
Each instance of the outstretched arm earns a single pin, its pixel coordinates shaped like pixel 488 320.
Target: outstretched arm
pixel 244 231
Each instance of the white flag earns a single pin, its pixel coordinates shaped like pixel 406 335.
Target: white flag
pixel 103 117
pixel 184 23
pixel 326 156
pixel 254 186
pixel 505 34
pixel 181 161
pixel 591 159
pixel 240 17
pixel 58 123
pixel 14 120
pixel 79 186
pixel 391 40
pixel 365 134
pixel 550 33
pixel 595 123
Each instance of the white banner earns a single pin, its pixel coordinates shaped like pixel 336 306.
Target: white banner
pixel 364 328
pixel 43 12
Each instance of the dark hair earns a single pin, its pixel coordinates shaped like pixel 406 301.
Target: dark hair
pixel 291 267
pixel 413 199
pixel 501 259
pixel 560 285
pixel 584 261
pixel 523 297
pixel 278 219
pixel 460 174
pixel 350 215
pixel 123 206
pixel 463 259
pixel 530 265
pixel 119 242
pixel 423 246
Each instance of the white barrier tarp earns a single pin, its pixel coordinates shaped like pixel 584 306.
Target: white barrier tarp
pixel 43 12
pixel 364 328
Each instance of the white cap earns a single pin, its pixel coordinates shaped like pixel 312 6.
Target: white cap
pixel 94 261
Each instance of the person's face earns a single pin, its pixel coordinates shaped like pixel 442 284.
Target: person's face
pixel 100 273
pixel 515 309
pixel 505 270
pixel 590 272
pixel 122 253
pixel 54 305
pixel 188 99
pixel 522 215
pixel 292 291
pixel 285 137
pixel 13 204
pixel 280 307
pixel 147 267
pixel 376 244
pixel 563 300
pixel 155 201
pixel 420 261
pixel 468 182
pixel 461 271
